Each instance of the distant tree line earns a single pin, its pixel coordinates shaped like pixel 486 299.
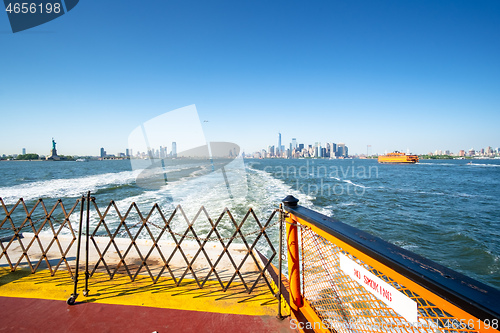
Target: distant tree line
pixel 28 157
pixel 23 157
pixel 439 157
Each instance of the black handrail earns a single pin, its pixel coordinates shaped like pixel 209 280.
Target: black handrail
pixel 474 297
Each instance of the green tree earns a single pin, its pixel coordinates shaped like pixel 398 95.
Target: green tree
pixel 27 157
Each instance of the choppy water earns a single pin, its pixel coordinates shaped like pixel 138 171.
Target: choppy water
pixel 447 211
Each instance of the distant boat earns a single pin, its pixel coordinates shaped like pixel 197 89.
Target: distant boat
pixel 81 160
pixel 397 157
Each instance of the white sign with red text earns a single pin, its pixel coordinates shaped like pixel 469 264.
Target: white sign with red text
pixel 396 300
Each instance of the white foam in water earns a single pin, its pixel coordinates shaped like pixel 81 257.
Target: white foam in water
pixel 249 188
pixel 349 182
pixel 274 190
pixel 353 184
pixel 441 164
pixel 461 164
pixel 347 204
pixel 451 194
pixel 61 188
pixel 484 165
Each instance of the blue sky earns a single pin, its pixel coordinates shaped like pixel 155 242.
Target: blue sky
pixel 422 75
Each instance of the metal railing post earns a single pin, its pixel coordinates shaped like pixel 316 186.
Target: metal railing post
pixel 292 236
pixel 280 316
pixel 86 290
pixel 71 300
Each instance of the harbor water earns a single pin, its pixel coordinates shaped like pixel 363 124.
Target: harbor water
pixel 445 210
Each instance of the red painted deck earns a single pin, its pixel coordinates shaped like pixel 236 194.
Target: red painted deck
pixel 40 315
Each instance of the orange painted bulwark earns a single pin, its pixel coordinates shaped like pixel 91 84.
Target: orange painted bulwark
pixel 293 265
pixel 397 157
pixel 456 312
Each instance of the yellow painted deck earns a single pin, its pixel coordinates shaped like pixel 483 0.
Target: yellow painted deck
pixel 260 304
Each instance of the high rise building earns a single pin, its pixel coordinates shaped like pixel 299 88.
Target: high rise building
pixel 24 151
pixel 127 152
pixel 174 149
pixel 278 149
pixel 103 153
pixel 341 150
pixel 333 150
pixel 294 143
pixel 317 149
pixel 270 150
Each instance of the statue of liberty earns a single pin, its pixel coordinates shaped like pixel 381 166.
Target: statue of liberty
pixel 53 152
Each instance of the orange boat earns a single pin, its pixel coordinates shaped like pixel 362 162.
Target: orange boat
pixel 397 157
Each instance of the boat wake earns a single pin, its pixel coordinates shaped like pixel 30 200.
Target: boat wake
pixel 65 188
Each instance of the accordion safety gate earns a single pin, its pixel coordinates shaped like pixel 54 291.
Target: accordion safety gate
pixel 345 280
pixel 86 240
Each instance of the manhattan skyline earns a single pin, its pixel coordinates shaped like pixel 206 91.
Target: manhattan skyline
pixel 294 149
pixel 394 75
